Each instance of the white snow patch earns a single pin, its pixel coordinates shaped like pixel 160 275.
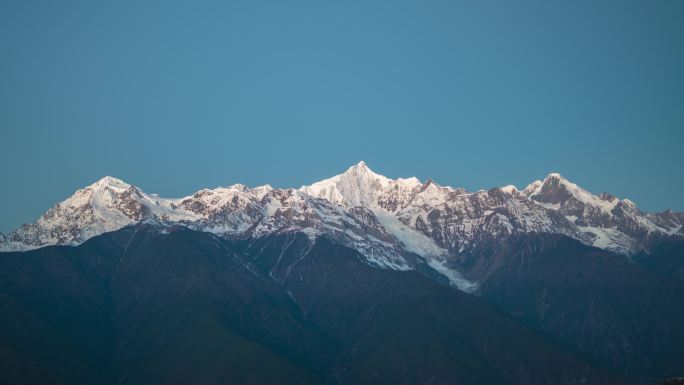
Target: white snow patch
pixel 609 239
pixel 551 206
pixel 509 189
pixel 455 278
pixel 412 239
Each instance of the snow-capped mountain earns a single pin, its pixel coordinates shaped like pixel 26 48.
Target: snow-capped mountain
pixel 457 220
pixel 609 222
pixel 106 205
pixel 395 224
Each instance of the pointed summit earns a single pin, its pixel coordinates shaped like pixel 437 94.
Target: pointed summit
pixel 111 182
pixel 361 169
pixel 554 189
pixel 358 186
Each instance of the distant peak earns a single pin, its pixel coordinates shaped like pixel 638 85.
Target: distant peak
pixel 553 189
pixel 361 166
pixel 427 184
pixel 556 179
pixel 554 175
pixel 238 186
pixel 109 181
pixel 361 169
pixel 359 186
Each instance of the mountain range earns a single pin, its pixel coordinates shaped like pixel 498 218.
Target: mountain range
pixel 395 223
pixel 354 279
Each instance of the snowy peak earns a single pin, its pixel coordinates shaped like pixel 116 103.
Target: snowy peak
pixel 361 167
pixel 109 182
pixel 609 222
pixel 557 192
pixel 360 186
pixel 554 189
pixel 510 189
pixel 106 205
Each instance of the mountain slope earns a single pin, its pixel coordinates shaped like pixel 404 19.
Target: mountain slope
pixel 143 305
pixel 599 304
pixel 171 305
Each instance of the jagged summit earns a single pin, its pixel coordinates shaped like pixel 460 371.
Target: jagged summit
pixel 551 178
pixel 555 191
pixel 361 165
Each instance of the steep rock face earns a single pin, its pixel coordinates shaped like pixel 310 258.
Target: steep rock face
pixel 668 219
pixel 462 221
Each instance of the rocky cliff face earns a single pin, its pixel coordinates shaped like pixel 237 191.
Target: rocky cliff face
pixel 609 222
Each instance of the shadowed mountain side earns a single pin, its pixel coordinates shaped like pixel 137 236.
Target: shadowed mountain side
pixel 596 303
pixel 401 328
pixel 137 306
pixel 151 305
pixel 666 259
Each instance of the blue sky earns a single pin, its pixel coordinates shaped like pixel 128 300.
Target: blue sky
pixel 176 96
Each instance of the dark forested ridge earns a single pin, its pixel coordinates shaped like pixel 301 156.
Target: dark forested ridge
pixel 152 305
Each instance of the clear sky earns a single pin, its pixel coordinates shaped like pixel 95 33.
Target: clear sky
pixel 177 96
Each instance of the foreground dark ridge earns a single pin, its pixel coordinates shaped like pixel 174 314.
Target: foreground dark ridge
pixel 155 304
pixel 144 305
